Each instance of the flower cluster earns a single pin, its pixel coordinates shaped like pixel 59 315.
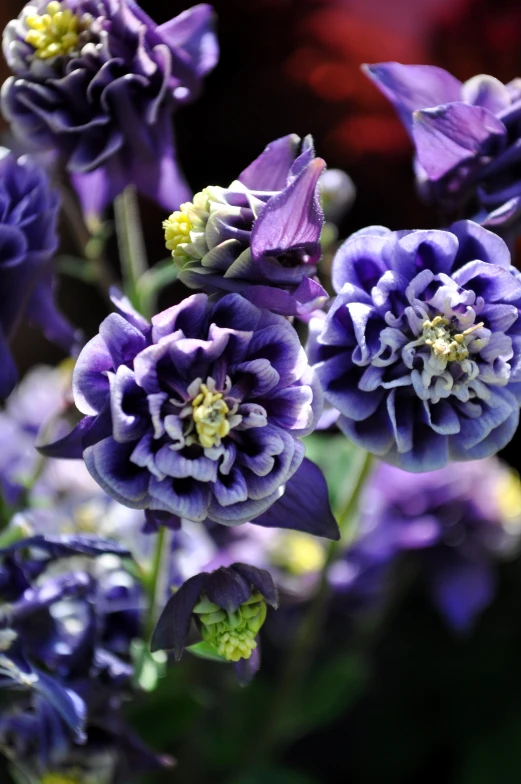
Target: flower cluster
pixel 466 137
pixel 420 351
pixel 98 81
pixel 70 612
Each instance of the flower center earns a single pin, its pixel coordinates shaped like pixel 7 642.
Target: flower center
pixel 210 417
pixel 444 341
pixel 232 634
pixel 185 229
pixel 54 33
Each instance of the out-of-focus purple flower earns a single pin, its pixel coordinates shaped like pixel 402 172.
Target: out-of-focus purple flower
pixel 260 236
pixel 228 607
pixel 65 637
pixel 43 394
pixel 28 240
pixel 421 349
pixel 200 413
pixel 98 80
pixel 466 137
pixel 454 521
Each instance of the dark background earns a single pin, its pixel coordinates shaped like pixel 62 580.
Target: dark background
pixel 419 705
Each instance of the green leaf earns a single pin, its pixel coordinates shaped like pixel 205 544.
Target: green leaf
pixel 339 460
pixel 205 651
pixel 74 267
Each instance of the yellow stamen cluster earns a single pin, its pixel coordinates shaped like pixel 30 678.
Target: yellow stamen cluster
pixel 232 634
pixel 57 778
pixel 444 342
pixel 298 553
pixel 54 33
pixel 210 417
pixel 177 231
pixel 186 227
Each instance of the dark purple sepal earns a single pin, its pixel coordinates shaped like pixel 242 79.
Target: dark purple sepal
pixel 227 588
pixel 261 580
pixel 172 628
pixel 246 669
pixel 72 445
pixel 304 505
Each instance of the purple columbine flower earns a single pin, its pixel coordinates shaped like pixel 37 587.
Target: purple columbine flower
pixel 200 413
pixel 98 81
pixel 28 240
pixel 421 350
pixel 261 235
pixel 452 522
pixel 228 607
pixel 466 137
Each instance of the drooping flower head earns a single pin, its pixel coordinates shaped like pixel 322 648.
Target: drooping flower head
pixel 420 351
pixel 466 136
pixel 28 240
pixel 261 235
pixel 228 607
pixel 198 414
pixel 455 523
pixel 98 80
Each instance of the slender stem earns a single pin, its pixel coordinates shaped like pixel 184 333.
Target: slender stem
pixel 300 656
pixel 155 581
pixel 131 243
pixel 91 247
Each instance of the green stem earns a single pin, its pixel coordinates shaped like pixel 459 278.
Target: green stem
pixel 131 244
pixel 154 582
pixel 300 656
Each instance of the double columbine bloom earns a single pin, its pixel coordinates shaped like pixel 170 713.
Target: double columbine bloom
pixel 466 137
pixel 420 351
pixel 198 414
pixel 260 236
pixel 98 81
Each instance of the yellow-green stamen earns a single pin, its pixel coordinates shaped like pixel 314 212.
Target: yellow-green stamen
pixel 210 417
pixel 54 33
pixel 445 343
pixel 232 634
pixel 57 778
pixel 298 553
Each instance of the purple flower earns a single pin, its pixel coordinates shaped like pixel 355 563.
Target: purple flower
pixel 260 236
pixel 421 350
pixel 228 607
pixel 28 240
pixel 65 637
pixel 200 413
pixel 466 137
pixel 98 80
pixel 451 521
